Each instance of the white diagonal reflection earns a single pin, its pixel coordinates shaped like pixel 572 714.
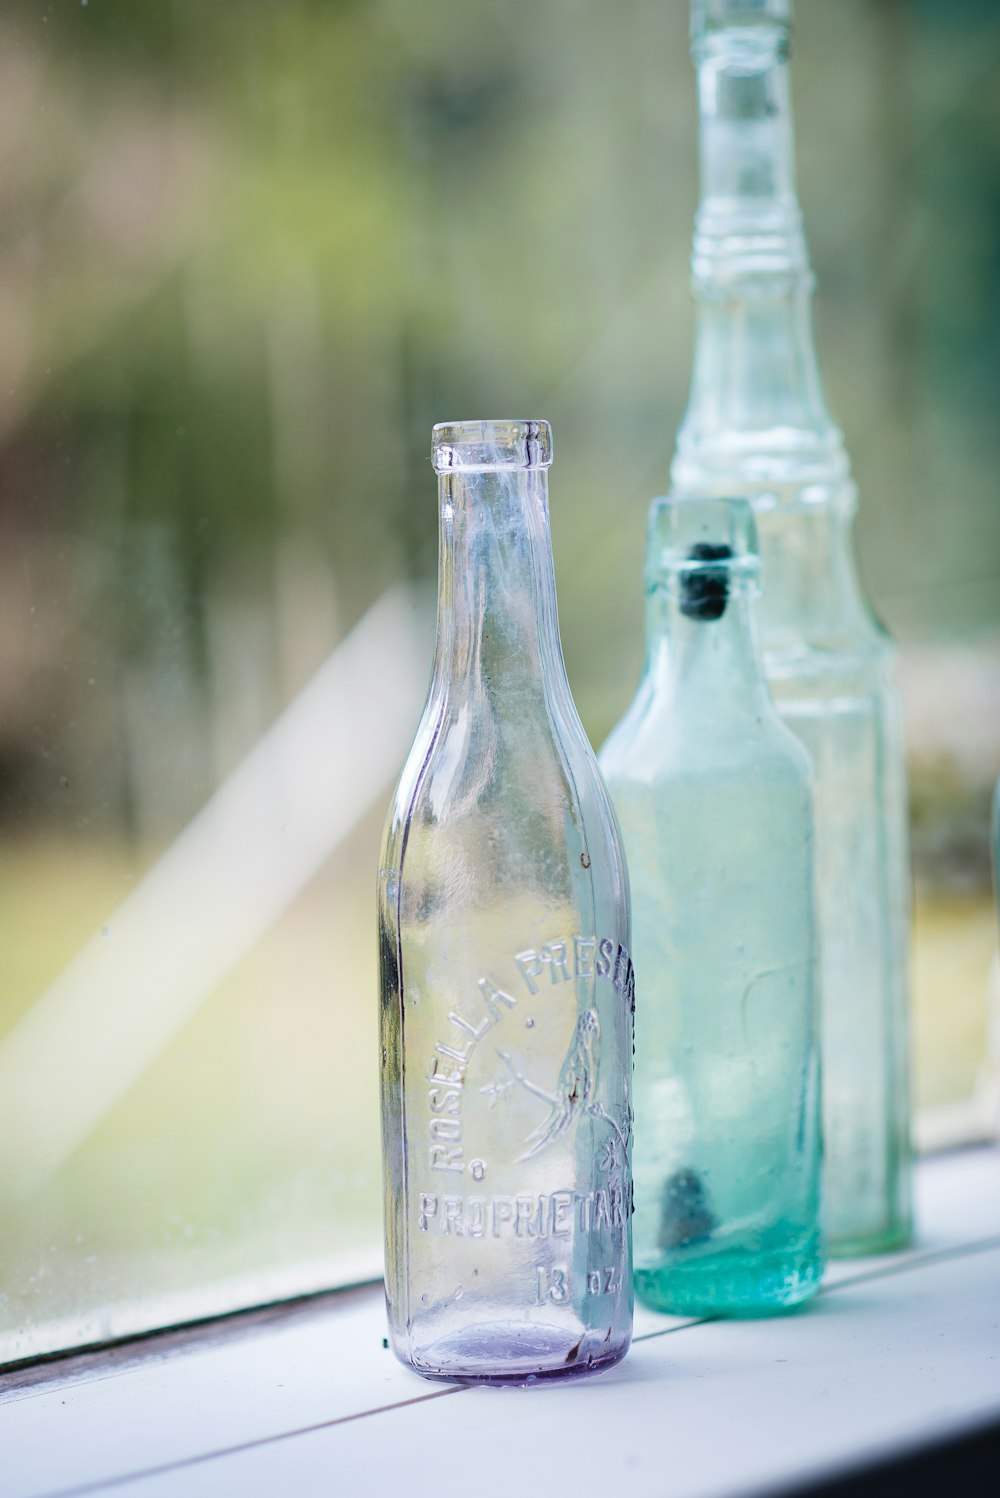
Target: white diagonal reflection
pixel 236 866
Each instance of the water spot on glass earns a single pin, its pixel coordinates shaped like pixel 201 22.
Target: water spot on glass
pixel 92 681
pixel 424 1299
pixel 105 932
pixel 459 1293
pixel 529 1024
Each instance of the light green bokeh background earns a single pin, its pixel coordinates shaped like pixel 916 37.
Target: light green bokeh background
pixel 248 254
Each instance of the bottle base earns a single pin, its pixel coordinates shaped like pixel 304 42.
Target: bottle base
pixel 516 1356
pixel 733 1282
pixel 889 1241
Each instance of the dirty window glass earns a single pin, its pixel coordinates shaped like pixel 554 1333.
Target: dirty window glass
pixel 247 256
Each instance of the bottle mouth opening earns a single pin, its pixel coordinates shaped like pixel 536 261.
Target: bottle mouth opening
pixel 702 549
pixel 482 446
pixel 713 15
pixel 750 25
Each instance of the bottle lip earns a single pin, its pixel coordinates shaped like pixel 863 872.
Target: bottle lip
pixel 691 535
pixel 713 15
pixel 748 18
pixel 485 446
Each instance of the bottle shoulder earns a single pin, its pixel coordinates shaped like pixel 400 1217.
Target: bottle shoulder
pixel 826 633
pixel 814 606
pixel 529 782
pixel 830 668
pixel 659 740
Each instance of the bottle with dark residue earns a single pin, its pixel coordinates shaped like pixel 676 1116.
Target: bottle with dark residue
pixel 507 981
pixel 713 794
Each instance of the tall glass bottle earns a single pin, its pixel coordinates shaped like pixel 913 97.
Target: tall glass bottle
pixel 507 984
pixel 714 798
pixel 989 1087
pixel 757 424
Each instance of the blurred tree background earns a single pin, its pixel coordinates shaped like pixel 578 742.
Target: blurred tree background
pixel 249 252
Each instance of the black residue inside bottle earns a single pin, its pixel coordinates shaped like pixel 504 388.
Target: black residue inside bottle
pixel 705 589
pixel 686 1214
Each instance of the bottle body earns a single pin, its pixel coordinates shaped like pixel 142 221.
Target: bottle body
pixel 713 796
pixel 507 980
pixel 839 698
pixel 989 1083
pixel 757 424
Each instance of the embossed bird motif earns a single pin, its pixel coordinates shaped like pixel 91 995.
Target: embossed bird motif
pixel 575 1089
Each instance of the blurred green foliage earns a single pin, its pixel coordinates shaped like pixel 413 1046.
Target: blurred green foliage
pixel 249 253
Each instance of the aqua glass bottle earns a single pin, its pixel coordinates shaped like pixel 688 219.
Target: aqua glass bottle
pixel 757 424
pixel 507 984
pixel 713 794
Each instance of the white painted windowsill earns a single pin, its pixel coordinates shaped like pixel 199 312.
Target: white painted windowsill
pixel 896 1353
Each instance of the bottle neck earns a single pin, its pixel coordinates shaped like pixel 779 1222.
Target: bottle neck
pixel 497 628
pixel 715 665
pixel 756 408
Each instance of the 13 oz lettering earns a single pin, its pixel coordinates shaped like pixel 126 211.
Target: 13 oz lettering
pixel 553 1284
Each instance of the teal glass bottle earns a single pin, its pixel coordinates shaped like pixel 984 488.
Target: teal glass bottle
pixel 714 799
pixel 757 424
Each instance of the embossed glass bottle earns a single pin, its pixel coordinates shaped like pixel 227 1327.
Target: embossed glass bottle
pixel 713 795
pixel 507 984
pixel 757 424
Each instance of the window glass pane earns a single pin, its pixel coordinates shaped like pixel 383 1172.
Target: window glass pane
pixel 247 257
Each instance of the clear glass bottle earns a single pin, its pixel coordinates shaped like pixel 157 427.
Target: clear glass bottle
pixel 757 424
pixel 507 983
pixel 713 795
